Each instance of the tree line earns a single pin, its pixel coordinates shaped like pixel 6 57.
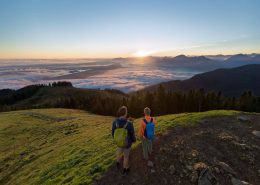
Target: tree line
pixel 161 101
pixel 9 96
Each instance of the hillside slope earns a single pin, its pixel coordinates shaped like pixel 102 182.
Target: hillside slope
pixel 43 94
pixel 218 150
pixel 64 146
pixel 53 146
pixel 39 96
pixel 232 82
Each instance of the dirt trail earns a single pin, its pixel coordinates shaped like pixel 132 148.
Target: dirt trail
pixel 217 151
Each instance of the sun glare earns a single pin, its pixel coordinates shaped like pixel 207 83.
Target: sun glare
pixel 142 54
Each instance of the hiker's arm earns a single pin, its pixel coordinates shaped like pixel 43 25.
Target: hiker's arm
pixel 113 129
pixel 154 121
pixel 141 130
pixel 132 133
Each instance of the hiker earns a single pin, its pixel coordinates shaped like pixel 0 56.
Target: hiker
pixel 146 133
pixel 124 135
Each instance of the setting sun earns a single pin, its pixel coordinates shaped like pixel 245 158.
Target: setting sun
pixel 142 53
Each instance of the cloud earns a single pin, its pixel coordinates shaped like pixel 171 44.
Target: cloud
pixel 127 79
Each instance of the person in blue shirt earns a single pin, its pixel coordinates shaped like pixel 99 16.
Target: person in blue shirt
pixel 123 153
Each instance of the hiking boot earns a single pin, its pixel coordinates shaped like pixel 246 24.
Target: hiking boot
pixel 118 165
pixel 125 171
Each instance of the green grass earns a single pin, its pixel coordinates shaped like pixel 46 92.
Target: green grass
pixel 188 119
pixel 63 146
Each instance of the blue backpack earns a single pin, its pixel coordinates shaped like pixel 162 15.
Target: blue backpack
pixel 149 129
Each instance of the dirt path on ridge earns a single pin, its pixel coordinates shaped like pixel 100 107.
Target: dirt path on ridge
pixel 222 150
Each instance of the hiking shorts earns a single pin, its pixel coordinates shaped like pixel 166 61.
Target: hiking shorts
pixel 123 151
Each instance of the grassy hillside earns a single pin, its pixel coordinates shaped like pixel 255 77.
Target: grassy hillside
pixel 53 146
pixel 63 146
pixel 38 96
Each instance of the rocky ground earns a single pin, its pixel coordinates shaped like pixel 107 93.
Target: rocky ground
pixel 223 151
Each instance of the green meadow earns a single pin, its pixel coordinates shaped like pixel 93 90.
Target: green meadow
pixel 64 146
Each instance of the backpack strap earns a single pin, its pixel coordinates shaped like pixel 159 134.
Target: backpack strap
pixel 146 122
pixel 126 125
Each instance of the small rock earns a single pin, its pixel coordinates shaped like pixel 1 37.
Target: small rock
pixel 241 145
pixel 150 164
pixel 152 171
pixel 226 168
pixel 243 118
pixel 194 153
pixel 256 133
pixel 238 182
pixel 244 146
pixel 256 147
pixel 225 137
pixel 189 167
pixel 172 169
pixel 199 166
pixel 217 170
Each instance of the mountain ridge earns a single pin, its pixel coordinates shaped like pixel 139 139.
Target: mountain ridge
pixel 232 81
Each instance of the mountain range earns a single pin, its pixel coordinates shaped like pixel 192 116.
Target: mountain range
pixel 231 82
pixel 204 63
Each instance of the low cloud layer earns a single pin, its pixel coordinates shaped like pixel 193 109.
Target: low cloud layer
pixel 126 79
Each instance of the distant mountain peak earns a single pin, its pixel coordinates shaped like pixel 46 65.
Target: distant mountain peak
pixel 184 58
pixel 239 57
pixel 181 57
pixel 202 58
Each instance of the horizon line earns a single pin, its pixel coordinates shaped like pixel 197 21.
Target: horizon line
pixel 103 58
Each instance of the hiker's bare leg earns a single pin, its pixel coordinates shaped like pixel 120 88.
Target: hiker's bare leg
pixel 119 154
pixel 126 158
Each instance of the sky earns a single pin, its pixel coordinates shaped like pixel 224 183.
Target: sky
pixel 127 28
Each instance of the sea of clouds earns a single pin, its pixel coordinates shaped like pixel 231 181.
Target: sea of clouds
pixel 128 78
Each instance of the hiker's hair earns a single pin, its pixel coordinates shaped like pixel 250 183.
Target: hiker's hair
pixel 147 111
pixel 122 111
